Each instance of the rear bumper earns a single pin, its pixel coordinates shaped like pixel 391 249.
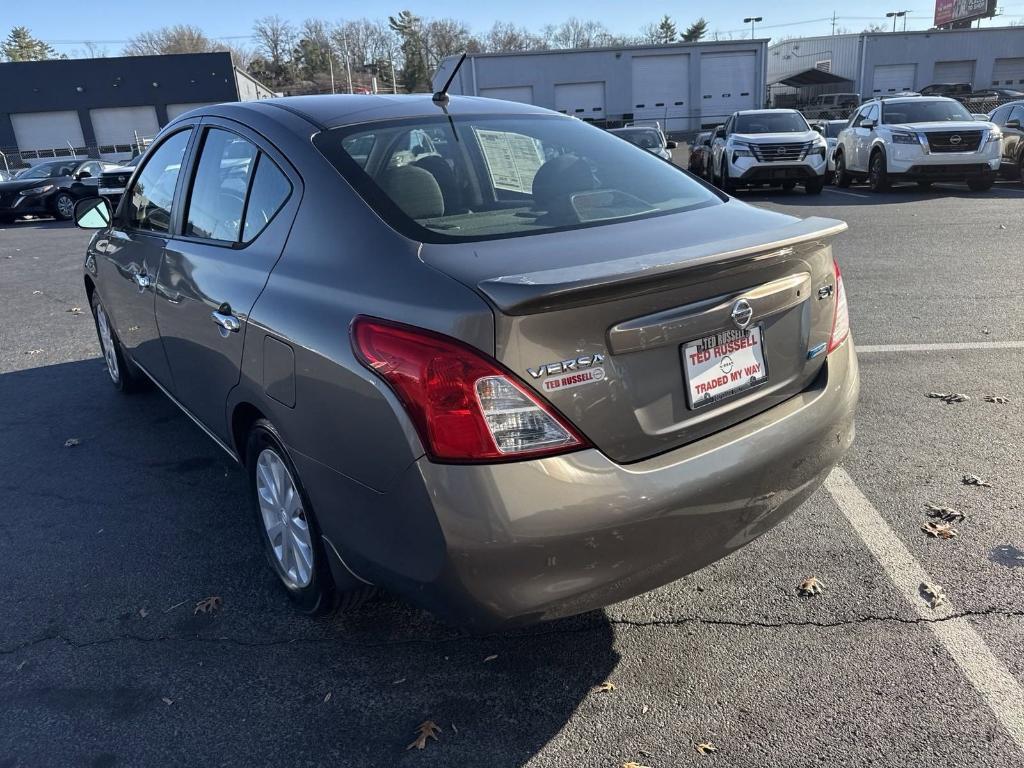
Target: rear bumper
pixel 492 546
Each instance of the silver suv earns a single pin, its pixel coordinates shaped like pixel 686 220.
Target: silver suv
pixel 917 138
pixel 768 146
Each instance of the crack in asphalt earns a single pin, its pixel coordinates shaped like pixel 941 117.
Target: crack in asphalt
pixel 637 624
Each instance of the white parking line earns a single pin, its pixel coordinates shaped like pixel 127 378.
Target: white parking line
pixel 843 192
pixel 949 347
pixel 986 673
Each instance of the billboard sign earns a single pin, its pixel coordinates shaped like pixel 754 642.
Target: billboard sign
pixel 962 11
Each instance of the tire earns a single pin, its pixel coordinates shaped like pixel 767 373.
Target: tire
pixel 924 185
pixel 814 186
pixel 288 528
pixel 125 377
pixel 981 183
pixel 63 206
pixel 878 174
pixel 842 177
pixel 725 183
pixel 788 185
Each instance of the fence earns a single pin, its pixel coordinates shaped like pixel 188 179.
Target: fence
pixel 13 159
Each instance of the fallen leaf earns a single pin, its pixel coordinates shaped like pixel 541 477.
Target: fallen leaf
pixel 705 747
pixel 143 612
pixel 208 605
pixel 492 657
pixel 933 594
pixel 71 442
pixel 327 697
pixel 22 665
pixel 644 709
pixel 167 701
pixel 604 688
pixel 997 399
pixel 975 480
pixel 34 352
pixel 37 293
pixel 949 397
pixel 428 729
pixel 810 587
pixel 939 530
pixel 632 764
pixel 75 310
pixel 948 514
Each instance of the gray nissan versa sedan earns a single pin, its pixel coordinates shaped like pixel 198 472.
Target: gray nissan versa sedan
pixel 478 353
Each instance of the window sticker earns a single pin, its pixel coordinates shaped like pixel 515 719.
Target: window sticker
pixel 512 159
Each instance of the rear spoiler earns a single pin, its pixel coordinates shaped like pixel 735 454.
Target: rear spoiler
pixel 549 289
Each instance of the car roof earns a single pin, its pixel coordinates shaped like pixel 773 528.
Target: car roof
pixel 915 99
pixel 332 111
pixel 766 111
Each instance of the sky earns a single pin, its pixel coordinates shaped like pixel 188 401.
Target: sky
pixel 67 25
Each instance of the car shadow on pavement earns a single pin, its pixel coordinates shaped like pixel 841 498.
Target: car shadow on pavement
pixel 108 543
pixel 861 195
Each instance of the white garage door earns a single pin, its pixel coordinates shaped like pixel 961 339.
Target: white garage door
pixel 954 72
pixel 727 84
pixel 582 100
pixel 893 78
pixel 47 132
pixel 173 110
pixel 661 90
pixel 520 93
pixel 117 129
pixel 1008 72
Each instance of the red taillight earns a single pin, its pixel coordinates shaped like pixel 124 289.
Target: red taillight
pixel 465 406
pixel 841 316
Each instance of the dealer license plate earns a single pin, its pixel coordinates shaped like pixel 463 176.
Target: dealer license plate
pixel 719 366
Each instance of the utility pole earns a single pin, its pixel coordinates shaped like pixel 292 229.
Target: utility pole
pixel 833 23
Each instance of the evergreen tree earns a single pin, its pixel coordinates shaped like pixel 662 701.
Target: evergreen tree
pixel 415 76
pixel 696 31
pixel 666 30
pixel 21 46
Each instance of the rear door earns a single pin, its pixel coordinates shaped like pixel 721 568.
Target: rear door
pixel 240 198
pixel 129 258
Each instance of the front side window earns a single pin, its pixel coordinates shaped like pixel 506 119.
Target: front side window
pixel 217 200
pixel 1000 116
pixel 496 176
pixel 148 205
pixel 771 122
pixel 1017 114
pixel 919 111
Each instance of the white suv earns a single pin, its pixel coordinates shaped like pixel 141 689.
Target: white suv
pixel 768 146
pixel 917 138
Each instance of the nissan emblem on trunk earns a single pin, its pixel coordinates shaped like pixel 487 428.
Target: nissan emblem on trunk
pixel 742 313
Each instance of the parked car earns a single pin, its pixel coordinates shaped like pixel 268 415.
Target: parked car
pixel 700 155
pixel 922 139
pixel 830 129
pixel 991 96
pixel 49 189
pixel 115 179
pixel 769 146
pixel 504 403
pixel 952 90
pixel 1009 118
pixel 649 138
pixel 831 105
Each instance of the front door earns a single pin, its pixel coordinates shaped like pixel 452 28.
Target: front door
pixel 128 257
pixel 232 229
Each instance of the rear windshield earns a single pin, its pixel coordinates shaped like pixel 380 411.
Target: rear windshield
pixel 924 112
pixel 473 178
pixel 646 138
pixel 771 122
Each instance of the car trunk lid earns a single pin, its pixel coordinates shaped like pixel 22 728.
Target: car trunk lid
pixel 598 320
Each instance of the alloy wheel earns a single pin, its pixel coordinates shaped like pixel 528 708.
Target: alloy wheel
pixel 107 343
pixel 284 519
pixel 65 206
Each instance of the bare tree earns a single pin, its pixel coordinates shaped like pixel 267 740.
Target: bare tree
pixel 443 37
pixel 275 41
pixel 179 38
pixel 506 36
pixel 578 33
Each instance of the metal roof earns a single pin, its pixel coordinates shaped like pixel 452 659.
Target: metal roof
pixel 810 76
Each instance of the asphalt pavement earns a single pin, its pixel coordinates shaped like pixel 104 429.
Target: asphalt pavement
pixel 107 545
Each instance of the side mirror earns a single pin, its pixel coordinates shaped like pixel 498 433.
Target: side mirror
pixel 1012 123
pixel 670 144
pixel 92 213
pixel 720 132
pixel 83 175
pixel 869 124
pixel 818 129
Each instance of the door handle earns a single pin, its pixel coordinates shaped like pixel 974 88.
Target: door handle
pixel 227 321
pixel 142 280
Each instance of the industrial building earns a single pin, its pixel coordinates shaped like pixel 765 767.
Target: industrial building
pixel 684 86
pixel 104 108
pixel 877 64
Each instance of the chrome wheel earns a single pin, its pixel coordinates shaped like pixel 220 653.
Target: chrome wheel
pixel 107 343
pixel 284 519
pixel 65 206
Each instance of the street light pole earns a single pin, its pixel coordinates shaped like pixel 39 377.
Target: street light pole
pixel 751 20
pixel 895 15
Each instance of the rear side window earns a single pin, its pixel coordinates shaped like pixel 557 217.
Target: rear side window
pixel 270 188
pixel 149 203
pixel 217 203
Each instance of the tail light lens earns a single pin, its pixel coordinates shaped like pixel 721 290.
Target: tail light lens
pixel 841 317
pixel 466 406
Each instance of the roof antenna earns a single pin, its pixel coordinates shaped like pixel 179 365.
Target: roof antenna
pixel 441 97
